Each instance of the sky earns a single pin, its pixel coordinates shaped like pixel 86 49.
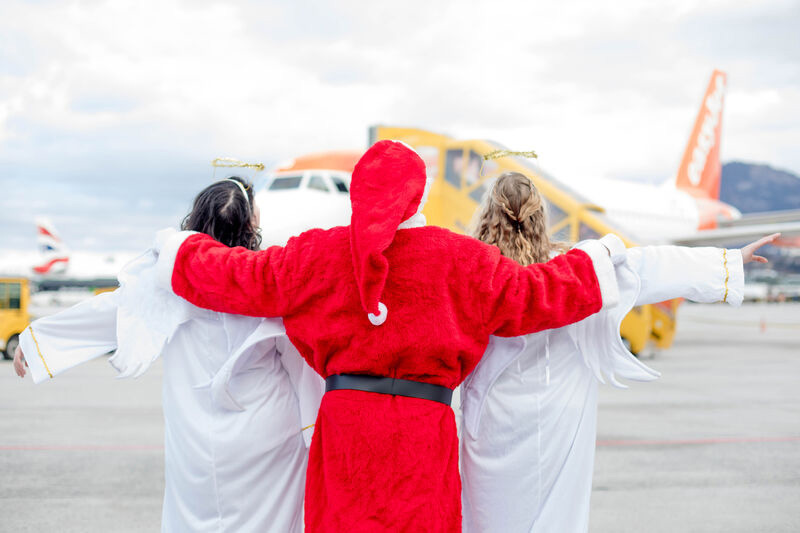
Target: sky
pixel 111 111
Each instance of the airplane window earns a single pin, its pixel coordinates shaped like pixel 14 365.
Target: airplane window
pixel 13 295
pixel 341 186
pixel 454 163
pixel 287 182
pixel 318 184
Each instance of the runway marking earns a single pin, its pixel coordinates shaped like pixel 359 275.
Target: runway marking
pixel 81 447
pixel 719 440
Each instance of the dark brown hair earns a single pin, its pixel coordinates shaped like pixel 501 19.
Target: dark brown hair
pixel 222 211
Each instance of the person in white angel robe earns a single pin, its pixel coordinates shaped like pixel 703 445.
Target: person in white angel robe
pixel 530 406
pixel 239 402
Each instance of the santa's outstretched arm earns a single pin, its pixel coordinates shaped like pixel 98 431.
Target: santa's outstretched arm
pixel 230 280
pixel 520 300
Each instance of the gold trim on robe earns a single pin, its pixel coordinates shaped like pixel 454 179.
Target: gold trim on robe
pixel 40 353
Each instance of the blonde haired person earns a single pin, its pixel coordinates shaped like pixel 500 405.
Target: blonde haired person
pixel 530 406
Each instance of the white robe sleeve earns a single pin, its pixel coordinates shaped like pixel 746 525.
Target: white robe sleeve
pixel 56 343
pixel 270 336
pixel 652 274
pixel 699 274
pixel 308 385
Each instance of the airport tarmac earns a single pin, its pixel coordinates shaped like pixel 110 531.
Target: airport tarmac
pixel 714 445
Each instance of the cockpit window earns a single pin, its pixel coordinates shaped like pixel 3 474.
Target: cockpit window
pixel 317 183
pixel 341 186
pixel 285 182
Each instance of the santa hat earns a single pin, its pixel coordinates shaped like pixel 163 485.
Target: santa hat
pixel 387 190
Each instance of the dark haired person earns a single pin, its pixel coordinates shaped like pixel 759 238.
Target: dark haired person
pixel 236 394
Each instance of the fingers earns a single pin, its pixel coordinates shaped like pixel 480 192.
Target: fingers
pixel 19 362
pixel 766 240
pixel 19 368
pixel 748 252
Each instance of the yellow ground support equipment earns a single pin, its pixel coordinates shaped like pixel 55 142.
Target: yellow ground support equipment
pixel 462 176
pixel 14 318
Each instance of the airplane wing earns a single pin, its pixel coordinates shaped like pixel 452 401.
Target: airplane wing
pixel 768 217
pixel 747 229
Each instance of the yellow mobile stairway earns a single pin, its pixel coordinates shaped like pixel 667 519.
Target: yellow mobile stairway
pixel 461 179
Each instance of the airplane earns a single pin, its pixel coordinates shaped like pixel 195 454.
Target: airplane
pixel 686 210
pixel 54 266
pixel 310 191
pixel 307 192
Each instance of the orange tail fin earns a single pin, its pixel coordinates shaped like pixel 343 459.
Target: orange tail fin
pixel 700 169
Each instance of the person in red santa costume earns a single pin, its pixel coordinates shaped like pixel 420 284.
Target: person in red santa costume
pixel 394 314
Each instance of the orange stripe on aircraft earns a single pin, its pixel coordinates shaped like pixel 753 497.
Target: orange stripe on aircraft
pixel 344 160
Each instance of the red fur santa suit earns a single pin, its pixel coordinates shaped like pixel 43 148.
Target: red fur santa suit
pixel 369 298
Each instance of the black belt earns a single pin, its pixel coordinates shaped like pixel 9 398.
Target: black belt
pixel 394 386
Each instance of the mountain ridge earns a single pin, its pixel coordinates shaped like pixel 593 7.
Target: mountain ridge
pixel 755 188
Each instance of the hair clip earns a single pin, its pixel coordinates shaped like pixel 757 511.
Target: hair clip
pixel 241 188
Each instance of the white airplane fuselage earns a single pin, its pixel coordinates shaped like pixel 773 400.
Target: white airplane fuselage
pixel 654 214
pixel 296 201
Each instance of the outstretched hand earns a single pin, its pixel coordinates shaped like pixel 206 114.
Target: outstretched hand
pixel 19 362
pixel 748 252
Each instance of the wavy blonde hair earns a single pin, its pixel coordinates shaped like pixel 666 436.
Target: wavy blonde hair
pixel 512 218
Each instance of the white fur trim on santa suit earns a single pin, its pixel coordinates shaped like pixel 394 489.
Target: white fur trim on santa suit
pixel 168 242
pixel 616 248
pixel 380 318
pixel 601 256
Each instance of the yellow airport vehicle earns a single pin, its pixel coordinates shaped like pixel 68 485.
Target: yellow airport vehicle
pixel 663 330
pixel 14 317
pixel 462 176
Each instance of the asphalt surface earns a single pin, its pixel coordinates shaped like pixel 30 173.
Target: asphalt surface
pixel 714 445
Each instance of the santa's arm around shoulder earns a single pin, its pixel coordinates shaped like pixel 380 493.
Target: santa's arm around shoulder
pixel 230 280
pixel 521 300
